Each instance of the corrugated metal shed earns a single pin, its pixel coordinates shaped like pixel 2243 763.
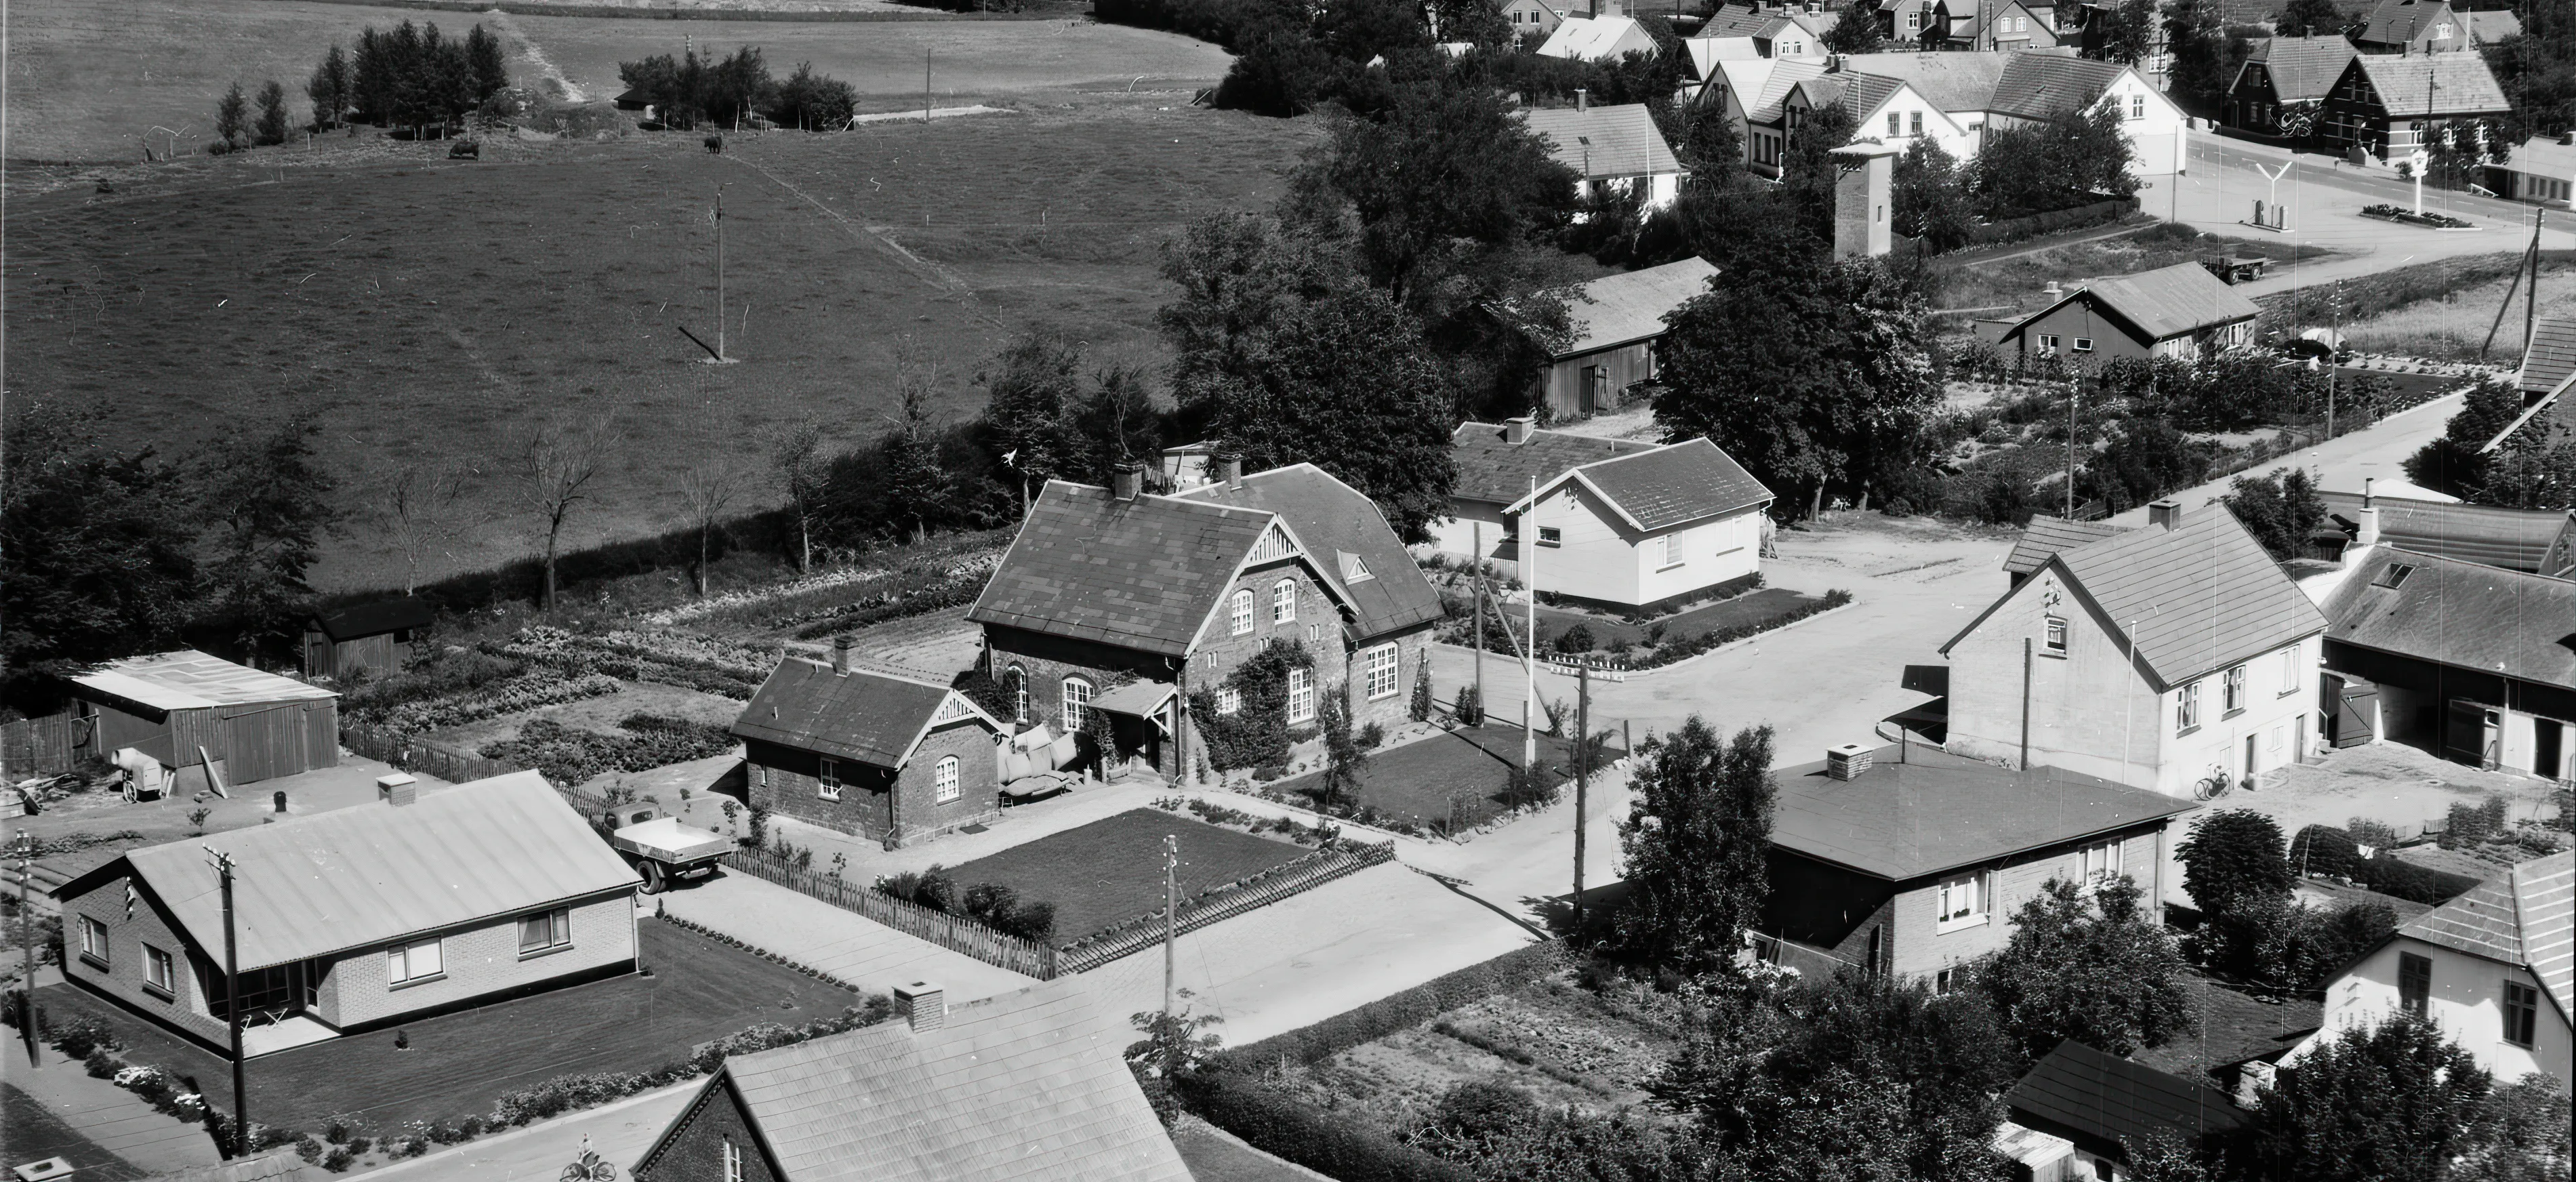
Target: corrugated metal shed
pixel 368 875
pixel 871 717
pixel 1332 516
pixel 1624 139
pixel 1937 812
pixel 2464 614
pixel 191 680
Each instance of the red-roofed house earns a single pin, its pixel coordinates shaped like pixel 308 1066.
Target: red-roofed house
pixel 2157 657
pixel 1618 522
pixel 2494 968
pixel 869 753
pixel 1025 1087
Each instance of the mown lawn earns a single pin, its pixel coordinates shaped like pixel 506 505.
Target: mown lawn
pixel 1112 869
pixel 459 1064
pixel 1455 779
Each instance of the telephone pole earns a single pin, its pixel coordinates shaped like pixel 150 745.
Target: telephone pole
pixel 27 940
pixel 223 864
pixel 1171 911
pixel 1582 778
pixel 1477 531
pixel 720 269
pixel 1529 651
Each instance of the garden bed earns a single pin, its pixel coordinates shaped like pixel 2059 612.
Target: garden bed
pixel 1111 870
pixel 1450 783
pixel 2403 215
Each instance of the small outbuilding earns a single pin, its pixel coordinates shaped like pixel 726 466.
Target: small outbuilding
pixel 881 756
pixel 2542 171
pixel 2181 311
pixel 2474 662
pixel 342 641
pixel 1617 320
pixel 2080 1111
pixel 227 724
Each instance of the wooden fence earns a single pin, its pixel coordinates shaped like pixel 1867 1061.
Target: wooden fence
pixel 413 754
pixel 953 932
pixel 40 746
pixel 1260 890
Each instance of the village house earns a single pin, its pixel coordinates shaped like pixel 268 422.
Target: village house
pixel 2080 1111
pixel 205 720
pixel 1912 861
pixel 2542 171
pixel 2020 88
pixel 2467 660
pixel 2513 539
pixel 1614 151
pixel 874 754
pixel 358 918
pixel 362 639
pixel 1619 523
pixel 1753 96
pixel 1126 603
pixel 2181 311
pixel 1029 1085
pixel 2175 657
pixel 2495 969
pixel 1770 32
pixel 2414 26
pixel 1617 320
pixel 1907 20
pixel 1532 19
pixel 1602 35
pixel 2281 89
pixel 2388 106
pixel 2020 25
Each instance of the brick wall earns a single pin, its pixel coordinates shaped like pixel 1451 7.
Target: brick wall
pixel 1393 709
pixel 477 961
pixel 1922 948
pixel 917 810
pixel 185 1006
pixel 695 1150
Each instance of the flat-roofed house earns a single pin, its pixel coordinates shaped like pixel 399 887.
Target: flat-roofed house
pixel 1612 150
pixel 2471 661
pixel 358 918
pixel 2281 88
pixel 881 756
pixel 1914 866
pixel 207 716
pixel 2386 105
pixel 2181 311
pixel 1028 1086
pixel 2158 657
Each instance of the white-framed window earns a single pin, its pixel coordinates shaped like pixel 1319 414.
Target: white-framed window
pixel 2047 343
pixel 2442 30
pixel 545 930
pixel 1914 122
pixel 1283 601
pixel 2289 672
pixel 1549 535
pixel 732 1161
pixel 827 779
pixel 1229 700
pixel 2137 106
pixel 948 779
pixel 2101 862
pixel 2083 344
pixel 418 961
pixel 1077 697
pixel 2187 709
pixel 1301 695
pixel 1893 122
pixel 1914 19
pixel 2278 732
pixel 93 940
pixel 1380 663
pixel 2056 638
pixel 1668 552
pixel 1962 901
pixel 1019 694
pixel 1241 611
pixel 2232 689
pixel 160 971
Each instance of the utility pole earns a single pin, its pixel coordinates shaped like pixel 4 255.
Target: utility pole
pixel 1582 777
pixel 1529 652
pixel 2530 312
pixel 720 268
pixel 2074 390
pixel 925 86
pixel 27 940
pixel 2334 355
pixel 1171 913
pixel 223 864
pixel 1477 531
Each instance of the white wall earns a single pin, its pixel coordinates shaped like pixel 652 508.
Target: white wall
pixel 2271 717
pixel 1710 551
pixel 1938 125
pixel 2160 141
pixel 2465 1003
pixel 1592 559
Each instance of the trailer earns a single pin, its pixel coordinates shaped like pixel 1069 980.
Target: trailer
pixel 662 849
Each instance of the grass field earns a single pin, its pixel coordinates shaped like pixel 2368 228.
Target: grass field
pixel 2451 329
pixel 2021 279
pixel 459 1064
pixel 1112 869
pixel 1457 778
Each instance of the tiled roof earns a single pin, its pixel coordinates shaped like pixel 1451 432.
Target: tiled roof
pixel 2170 301
pixel 191 680
pixel 2525 917
pixel 372 873
pixel 1951 81
pixel 2514 539
pixel 1594 39
pixel 1859 94
pixel 2464 614
pixel 374 619
pixel 1027 1085
pixel 1624 139
pixel 1730 21
pixel 2111 1101
pixel 2395 22
pixel 1498 473
pixel 2461 84
pixel 1332 516
pixel 2047 535
pixel 1658 489
pixel 1937 812
pixel 2551 357
pixel 1626 308
pixel 2043 85
pixel 871 717
pixel 2489 27
pixel 2229 1028
pixel 2190 600
pixel 1776 85
pixel 1141 574
pixel 2302 68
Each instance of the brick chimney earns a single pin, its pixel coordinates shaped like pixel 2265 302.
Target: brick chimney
pixel 1847 762
pixel 841 653
pixel 1231 465
pixel 923 1005
pixel 397 789
pixel 1125 480
pixel 2164 514
pixel 1517 431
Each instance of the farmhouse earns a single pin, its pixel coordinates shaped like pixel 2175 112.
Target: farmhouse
pixel 2386 105
pixel 2470 661
pixel 2495 969
pixel 2161 657
pixel 2282 87
pixel 1616 320
pixel 1028 1085
pixel 1130 605
pixel 216 722
pixel 1913 862
pixel 1619 523
pixel 881 756
pixel 1614 151
pixel 357 918
pixel 2181 311
pixel 362 638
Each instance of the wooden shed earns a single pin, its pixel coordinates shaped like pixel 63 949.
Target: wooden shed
pixel 365 634
pixel 191 710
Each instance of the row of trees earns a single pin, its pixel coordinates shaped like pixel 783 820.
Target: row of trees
pixel 407 76
pixel 2078 158
pixel 2534 468
pixel 689 90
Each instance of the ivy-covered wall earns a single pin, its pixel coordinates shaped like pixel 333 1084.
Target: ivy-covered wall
pixel 1256 732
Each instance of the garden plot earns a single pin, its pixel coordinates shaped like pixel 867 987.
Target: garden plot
pixel 1111 870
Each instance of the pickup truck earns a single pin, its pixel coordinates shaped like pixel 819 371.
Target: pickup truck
pixel 661 848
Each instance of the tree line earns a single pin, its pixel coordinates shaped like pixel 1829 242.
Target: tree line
pixel 691 90
pixel 407 76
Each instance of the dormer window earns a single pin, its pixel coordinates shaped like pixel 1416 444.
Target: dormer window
pixel 1355 569
pixel 2394 576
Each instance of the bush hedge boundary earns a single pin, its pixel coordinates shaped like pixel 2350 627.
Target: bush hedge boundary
pixel 1412 1007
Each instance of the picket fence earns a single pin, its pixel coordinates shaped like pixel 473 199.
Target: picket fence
pixel 414 754
pixel 953 932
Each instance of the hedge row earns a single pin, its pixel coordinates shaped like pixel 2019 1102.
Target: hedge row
pixel 1413 1007
pixel 1318 1140
pixel 1673 652
pixel 2324 849
pixel 2016 229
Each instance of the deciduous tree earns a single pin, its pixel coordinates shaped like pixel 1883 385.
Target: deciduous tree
pixel 265 500
pixel 706 491
pixel 2123 32
pixel 1445 171
pixel 2309 18
pixel 1033 389
pixel 2087 963
pixel 558 465
pixel 797 464
pixel 2280 509
pixel 1696 844
pixel 2196 41
pixel 419 508
pixel 97 553
pixel 2391 1102
pixel 2233 858
pixel 1856 32
pixel 2453 464
pixel 1930 196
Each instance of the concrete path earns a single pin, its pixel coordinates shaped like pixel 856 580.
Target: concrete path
pixel 840 944
pixel 118 1120
pixel 621 1132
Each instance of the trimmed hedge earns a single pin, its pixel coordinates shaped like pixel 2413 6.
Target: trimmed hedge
pixel 1385 1016
pixel 2015 229
pixel 2324 849
pixel 1308 1136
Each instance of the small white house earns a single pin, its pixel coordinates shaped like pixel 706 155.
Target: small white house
pixel 2542 171
pixel 2493 969
pixel 1598 39
pixel 1532 19
pixel 1612 149
pixel 1615 522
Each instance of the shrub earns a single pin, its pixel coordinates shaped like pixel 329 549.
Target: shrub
pixel 2469 824
pixel 339 1159
pixel 309 1148
pixel 1413 1007
pixel 1693 646
pixel 1470 708
pixel 1325 1142
pixel 77 1038
pixel 2376 834
pixel 1373 736
pixel 1577 639
pixel 100 1065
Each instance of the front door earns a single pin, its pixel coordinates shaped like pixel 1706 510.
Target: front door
pixel 2251 751
pixel 1586 396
